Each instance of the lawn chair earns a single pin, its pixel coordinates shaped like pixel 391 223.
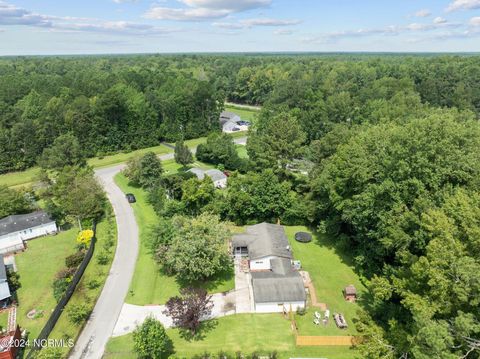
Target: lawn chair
pixel 316 321
pixel 318 315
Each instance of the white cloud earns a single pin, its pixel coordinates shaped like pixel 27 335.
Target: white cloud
pixel 123 1
pixel 12 15
pixel 201 10
pixel 475 21
pixel 230 5
pixel 463 5
pixel 386 31
pixel 283 32
pixel 423 13
pixel 248 23
pixel 196 14
pixel 439 20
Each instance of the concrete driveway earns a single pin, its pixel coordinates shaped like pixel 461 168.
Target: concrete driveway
pixel 132 316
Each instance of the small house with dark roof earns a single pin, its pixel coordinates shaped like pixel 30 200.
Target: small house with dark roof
pixel 16 229
pixel 277 286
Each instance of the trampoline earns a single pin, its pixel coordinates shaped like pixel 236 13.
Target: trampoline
pixel 303 237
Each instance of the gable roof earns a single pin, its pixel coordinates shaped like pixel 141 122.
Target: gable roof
pixel 214 174
pixel 264 239
pixel 3 270
pixel 273 287
pixel 20 222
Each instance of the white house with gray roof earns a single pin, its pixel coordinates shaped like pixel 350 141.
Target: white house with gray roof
pixel 277 286
pixel 218 177
pixel 231 122
pixel 16 229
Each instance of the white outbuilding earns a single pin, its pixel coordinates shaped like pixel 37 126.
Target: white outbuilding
pixel 218 177
pixel 16 229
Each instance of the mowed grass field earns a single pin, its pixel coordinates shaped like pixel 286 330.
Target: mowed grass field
pixel 330 272
pixel 245 114
pixel 247 333
pixel 29 176
pixel 37 267
pixel 149 285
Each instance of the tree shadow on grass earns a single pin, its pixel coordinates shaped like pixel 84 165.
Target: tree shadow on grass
pixel 210 284
pixel 206 327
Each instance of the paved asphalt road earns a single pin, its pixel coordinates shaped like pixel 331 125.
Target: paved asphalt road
pixel 94 337
pixel 99 328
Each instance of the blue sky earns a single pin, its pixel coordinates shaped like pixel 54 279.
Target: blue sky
pixel 138 26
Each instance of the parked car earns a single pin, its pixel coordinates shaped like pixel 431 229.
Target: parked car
pixel 131 198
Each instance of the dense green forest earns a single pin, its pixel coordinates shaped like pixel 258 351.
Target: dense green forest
pixel 124 103
pixel 381 153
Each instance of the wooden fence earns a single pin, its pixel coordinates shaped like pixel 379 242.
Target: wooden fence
pixel 324 340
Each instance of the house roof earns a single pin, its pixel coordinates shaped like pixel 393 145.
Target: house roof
pixel 262 240
pixel 273 287
pixel 214 174
pixel 3 270
pixel 197 172
pixel 4 291
pixel 350 290
pixel 229 125
pixel 20 222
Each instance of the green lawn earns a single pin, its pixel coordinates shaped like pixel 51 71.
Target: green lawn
pixel 248 333
pixel 23 178
pixel 242 151
pixel 149 285
pixel 245 114
pixel 125 156
pixel 37 267
pixel 29 176
pixel 171 167
pixel 3 320
pixel 330 273
pixel 106 230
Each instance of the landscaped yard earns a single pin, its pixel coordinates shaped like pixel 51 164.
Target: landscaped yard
pixel 149 285
pixel 37 267
pixel 244 113
pixel 330 272
pixel 248 333
pixel 106 230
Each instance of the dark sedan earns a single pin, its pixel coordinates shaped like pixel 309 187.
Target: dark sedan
pixel 131 198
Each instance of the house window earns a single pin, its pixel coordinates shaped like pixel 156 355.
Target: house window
pixel 31 230
pixel 259 262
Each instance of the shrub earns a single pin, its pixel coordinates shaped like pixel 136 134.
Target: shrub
pixel 93 284
pixel 84 237
pixel 301 311
pixel 151 341
pixel 78 313
pixel 60 286
pixel 65 273
pixel 103 258
pixel 74 260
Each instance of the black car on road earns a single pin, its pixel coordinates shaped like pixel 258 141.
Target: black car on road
pixel 131 198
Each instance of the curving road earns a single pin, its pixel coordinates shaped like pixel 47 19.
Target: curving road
pixel 94 337
pixel 99 328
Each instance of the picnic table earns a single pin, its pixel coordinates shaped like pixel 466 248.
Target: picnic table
pixel 340 321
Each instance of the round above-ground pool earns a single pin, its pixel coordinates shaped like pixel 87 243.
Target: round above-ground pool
pixel 303 237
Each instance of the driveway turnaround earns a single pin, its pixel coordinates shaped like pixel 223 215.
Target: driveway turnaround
pixel 133 315
pixel 99 328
